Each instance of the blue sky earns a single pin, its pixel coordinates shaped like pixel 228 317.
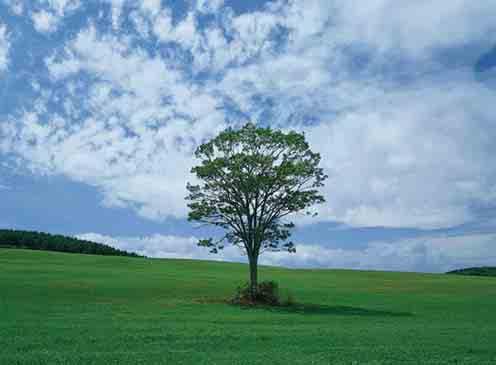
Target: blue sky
pixel 103 103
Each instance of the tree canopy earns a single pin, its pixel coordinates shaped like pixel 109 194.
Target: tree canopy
pixel 250 181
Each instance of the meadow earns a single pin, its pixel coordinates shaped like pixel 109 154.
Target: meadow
pixel 58 308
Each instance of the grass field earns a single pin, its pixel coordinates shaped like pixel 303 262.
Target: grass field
pixel 60 308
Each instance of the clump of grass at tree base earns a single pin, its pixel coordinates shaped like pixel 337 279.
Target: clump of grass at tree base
pixel 267 294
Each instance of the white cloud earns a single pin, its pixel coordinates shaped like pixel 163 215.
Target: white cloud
pixel 316 69
pixel 117 7
pixel 4 187
pixel 140 23
pixel 417 27
pixel 61 7
pixel 136 145
pixel 405 139
pixel 400 154
pixel 44 21
pixel 428 254
pixel 48 15
pixel 4 48
pixel 209 6
pixel 16 6
pixel 411 158
pixel 183 33
pixel 164 246
pixel 249 37
pixel 152 6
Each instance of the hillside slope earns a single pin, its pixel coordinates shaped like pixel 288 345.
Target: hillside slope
pixel 79 309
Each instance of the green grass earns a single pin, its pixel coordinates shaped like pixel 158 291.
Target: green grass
pixel 60 308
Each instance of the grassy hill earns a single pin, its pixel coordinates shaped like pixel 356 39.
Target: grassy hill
pixel 59 308
pixel 475 271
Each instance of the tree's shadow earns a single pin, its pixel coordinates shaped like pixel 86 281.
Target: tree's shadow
pixel 338 310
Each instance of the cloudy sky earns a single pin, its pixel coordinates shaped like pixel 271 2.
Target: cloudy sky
pixel 103 102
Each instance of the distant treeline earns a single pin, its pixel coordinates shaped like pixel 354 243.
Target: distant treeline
pixel 55 242
pixel 475 271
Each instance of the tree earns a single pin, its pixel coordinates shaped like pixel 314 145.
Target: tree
pixel 251 181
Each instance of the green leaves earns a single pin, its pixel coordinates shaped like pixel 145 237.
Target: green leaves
pixel 251 180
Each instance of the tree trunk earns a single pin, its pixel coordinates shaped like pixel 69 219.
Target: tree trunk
pixel 253 276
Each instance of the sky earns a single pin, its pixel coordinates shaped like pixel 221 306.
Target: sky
pixel 103 103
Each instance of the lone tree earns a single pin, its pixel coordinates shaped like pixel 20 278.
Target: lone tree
pixel 251 180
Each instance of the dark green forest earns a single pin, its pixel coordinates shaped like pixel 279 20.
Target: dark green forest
pixel 475 271
pixel 55 242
